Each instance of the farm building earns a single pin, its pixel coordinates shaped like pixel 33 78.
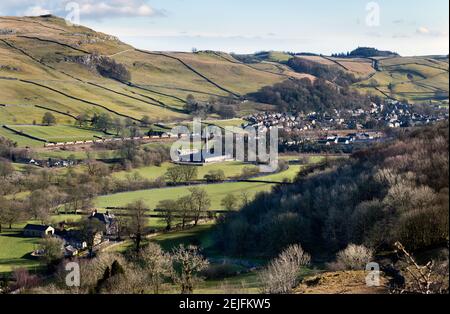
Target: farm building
pixel 38 231
pixel 110 222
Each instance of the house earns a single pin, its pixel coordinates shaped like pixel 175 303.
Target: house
pixel 110 222
pixel 70 251
pixel 38 231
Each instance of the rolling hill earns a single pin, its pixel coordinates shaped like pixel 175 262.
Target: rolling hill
pixel 47 65
pixel 415 79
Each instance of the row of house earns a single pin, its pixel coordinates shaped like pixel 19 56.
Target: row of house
pixel 72 239
pixel 391 114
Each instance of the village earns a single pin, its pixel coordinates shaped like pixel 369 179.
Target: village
pixel 392 114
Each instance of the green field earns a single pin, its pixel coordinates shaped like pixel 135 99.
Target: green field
pixel 151 198
pixel 15 250
pixel 231 169
pixel 290 174
pixel 21 141
pixel 58 133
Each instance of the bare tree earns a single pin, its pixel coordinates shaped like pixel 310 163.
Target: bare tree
pixel 354 257
pixel 200 203
pixel 137 222
pixel 168 210
pixel 431 278
pixel 187 264
pixel 281 276
pixel 230 202
pixel 157 265
pixel 52 249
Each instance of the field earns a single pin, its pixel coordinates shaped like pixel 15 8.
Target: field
pixel 37 69
pixel 59 133
pixel 415 79
pixel 231 169
pixel 15 250
pixel 151 198
pixel 21 141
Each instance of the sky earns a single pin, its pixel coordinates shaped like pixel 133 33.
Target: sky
pixel 409 27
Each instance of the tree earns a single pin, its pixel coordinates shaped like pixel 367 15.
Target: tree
pixel 245 198
pixel 157 265
pixel 102 122
pixel 168 210
pixel 40 202
pixel 432 278
pixel 215 176
pixel 200 202
pixel 82 119
pixel 187 264
pixel 230 202
pixel 6 168
pixel 146 121
pixel 48 119
pixel 281 276
pixel 354 257
pixel 118 126
pixel 137 222
pixel 52 249
pixel 182 173
pixel 186 209
pixel 89 229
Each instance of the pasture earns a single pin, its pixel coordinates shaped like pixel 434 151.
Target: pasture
pixel 58 133
pixel 151 198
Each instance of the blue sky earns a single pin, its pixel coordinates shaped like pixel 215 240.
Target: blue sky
pixel 410 27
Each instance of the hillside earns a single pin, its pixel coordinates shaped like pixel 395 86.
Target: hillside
pixel 415 79
pixel 71 71
pixel 396 191
pixel 46 63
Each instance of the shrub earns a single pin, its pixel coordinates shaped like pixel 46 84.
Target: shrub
pixel 281 276
pixel 354 257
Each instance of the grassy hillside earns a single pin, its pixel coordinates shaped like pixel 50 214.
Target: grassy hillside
pixel 44 62
pixel 46 65
pixel 415 79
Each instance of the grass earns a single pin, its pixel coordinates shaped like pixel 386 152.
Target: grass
pixel 21 141
pixel 151 198
pixel 290 174
pixel 231 169
pixel 248 283
pixel 58 133
pixel 199 235
pixel 15 250
pixel 77 154
pixel 413 78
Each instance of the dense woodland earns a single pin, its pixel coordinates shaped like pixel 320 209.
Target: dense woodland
pixel 366 52
pixel 396 191
pixel 306 96
pixel 326 72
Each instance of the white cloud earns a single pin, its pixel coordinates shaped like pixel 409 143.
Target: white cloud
pixel 35 11
pixel 89 9
pixel 115 8
pixel 423 30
